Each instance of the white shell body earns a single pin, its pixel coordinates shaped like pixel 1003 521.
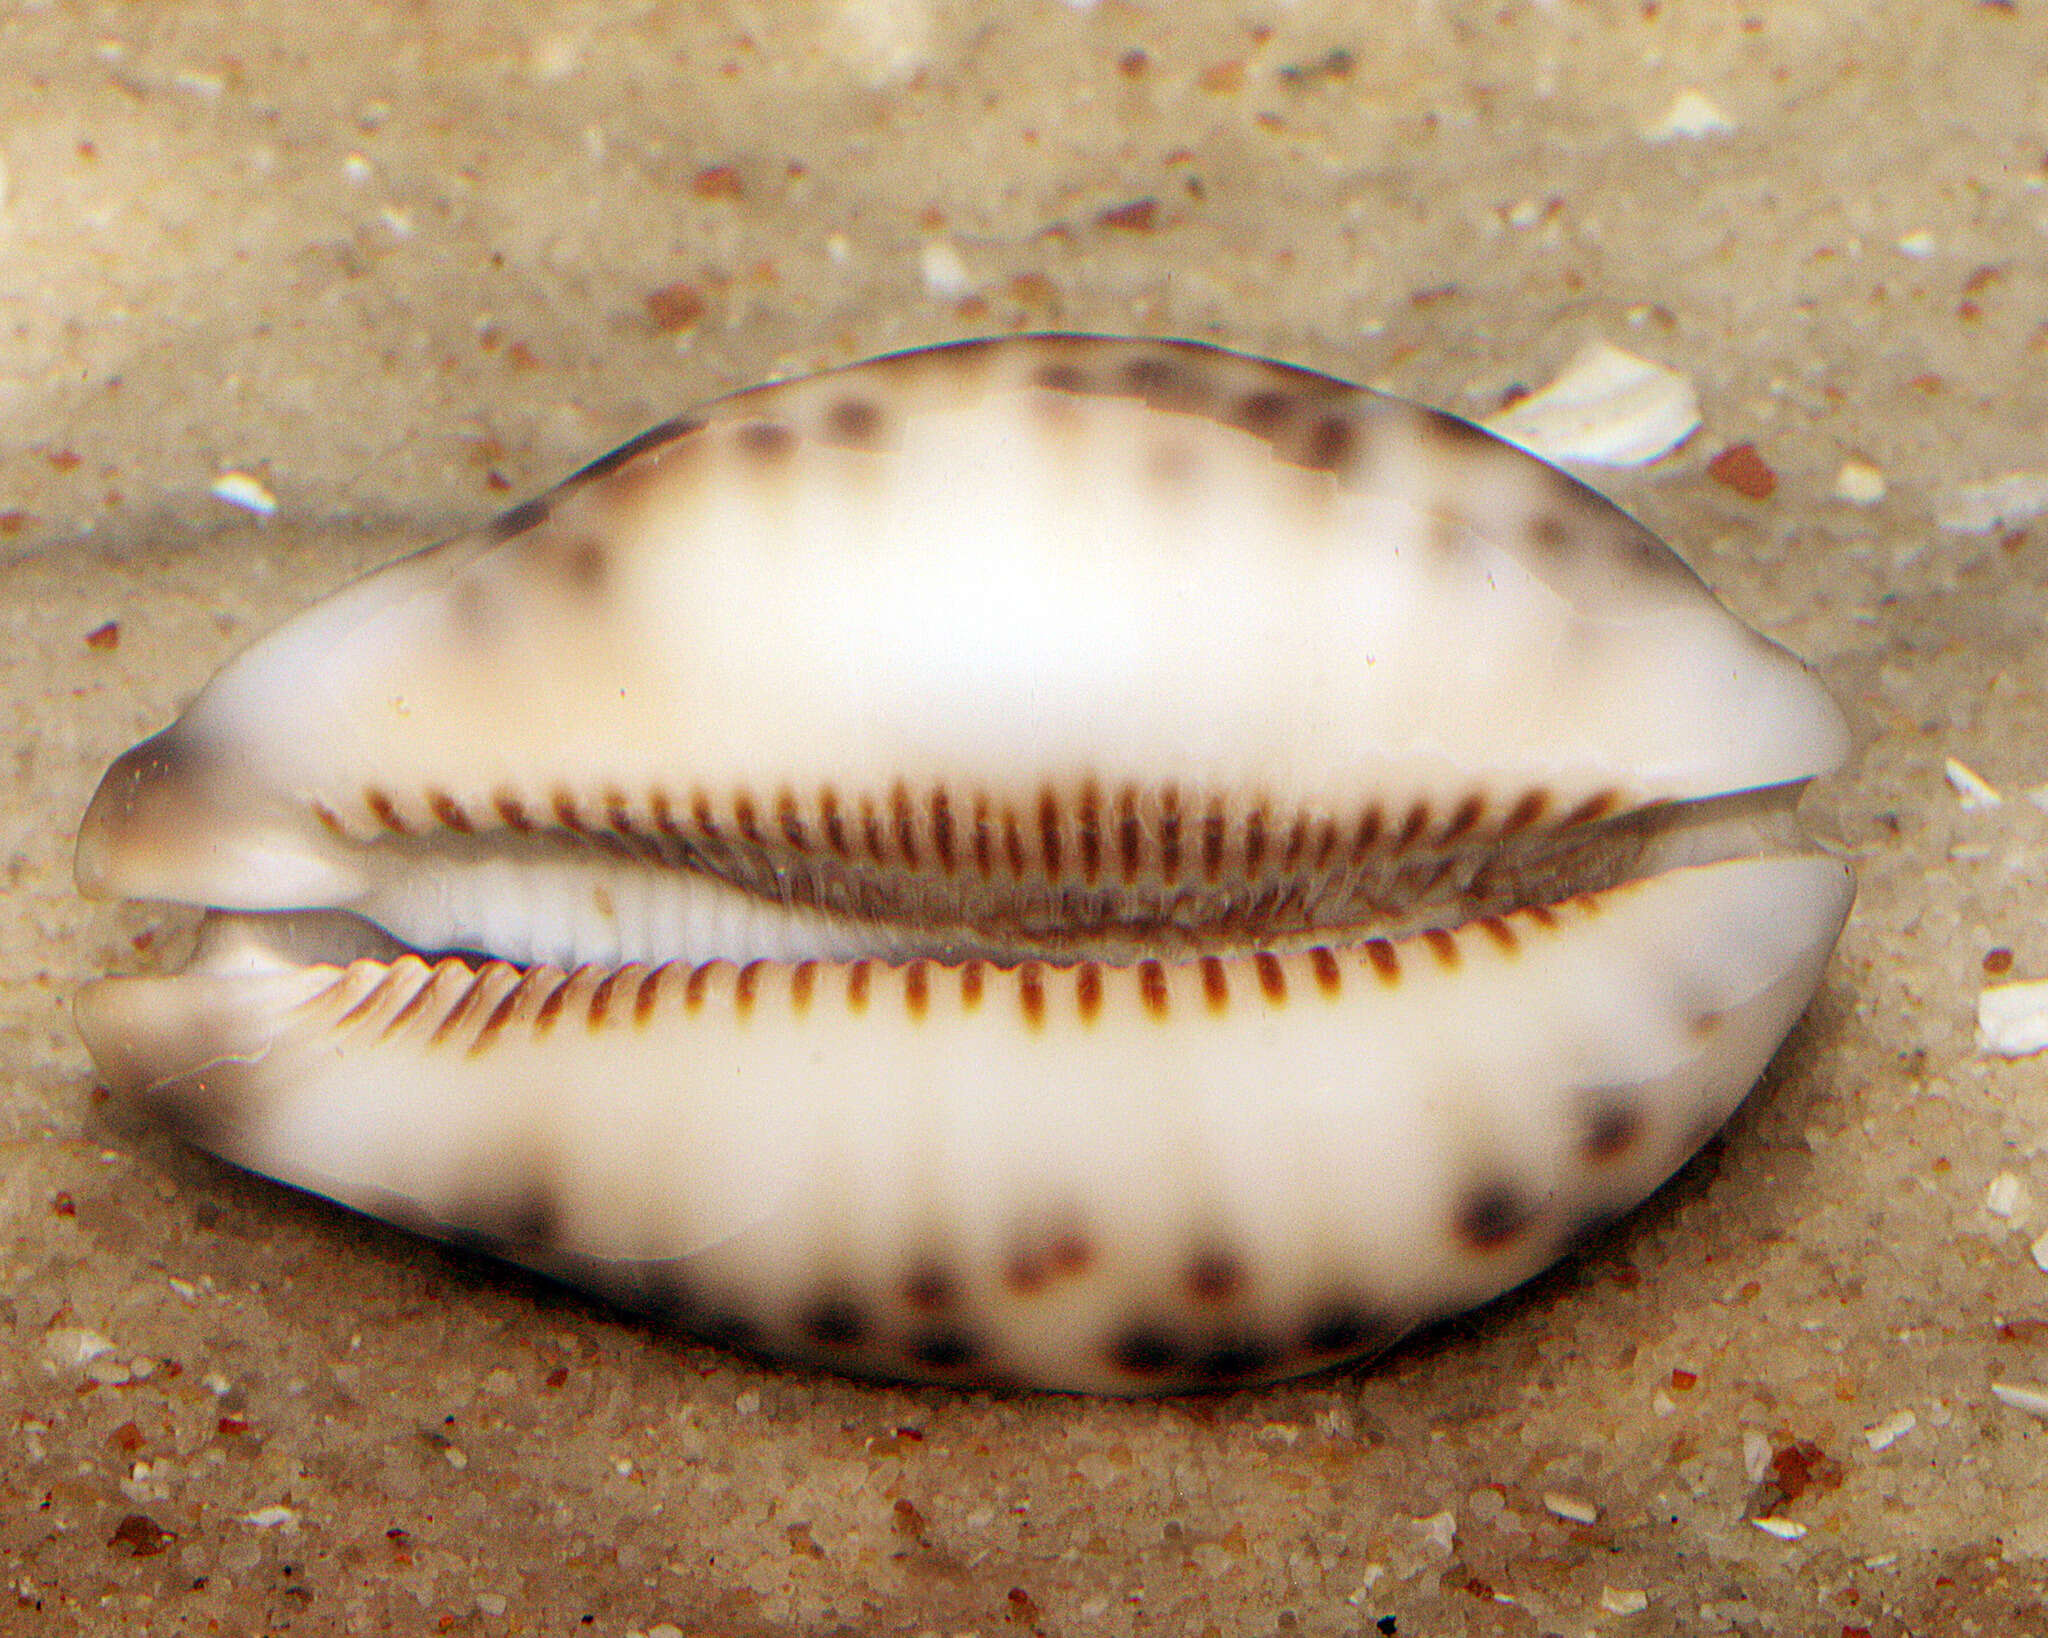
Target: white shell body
pixel 1103 864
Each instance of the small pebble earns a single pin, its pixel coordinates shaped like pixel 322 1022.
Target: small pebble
pixel 1859 483
pixel 1691 114
pixel 2033 1401
pixel 1624 1600
pixel 2003 1195
pixel 249 493
pixel 1891 1430
pixel 1783 1529
pixel 1739 467
pixel 1576 1509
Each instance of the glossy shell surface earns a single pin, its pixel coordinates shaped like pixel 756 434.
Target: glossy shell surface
pixel 1084 862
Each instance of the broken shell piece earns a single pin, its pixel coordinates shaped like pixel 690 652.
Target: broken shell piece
pixel 1692 114
pixel 1609 407
pixel 2000 503
pixel 2012 1019
pixel 1093 863
pixel 1973 791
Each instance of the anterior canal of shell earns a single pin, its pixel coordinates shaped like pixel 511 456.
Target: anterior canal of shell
pixel 1095 863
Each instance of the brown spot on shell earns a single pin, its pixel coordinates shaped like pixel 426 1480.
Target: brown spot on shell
pixel 746 987
pixel 1144 1351
pixel 550 1008
pixel 1215 984
pixel 767 442
pixel 917 988
pixel 1528 808
pixel 1233 1357
pixel 1442 944
pixel 930 1288
pixel 1494 1215
pixel 648 995
pixel 1061 378
pixel 1611 1129
pixel 1264 414
pixel 449 812
pixel 698 984
pixel 1214 1276
pixel 1341 1327
pixel 1166 383
pixel 859 977
pixel 1088 990
pixel 856 423
pixel 599 1006
pixel 973 979
pixel 1331 443
pixel 1595 807
pixel 834 1321
pixel 1500 932
pixel 947 1349
pixel 803 980
pixel 1272 976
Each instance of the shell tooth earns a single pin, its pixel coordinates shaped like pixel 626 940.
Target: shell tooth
pixel 1110 864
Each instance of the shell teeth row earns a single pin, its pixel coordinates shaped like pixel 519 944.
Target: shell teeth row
pixel 1129 834
pixel 452 1003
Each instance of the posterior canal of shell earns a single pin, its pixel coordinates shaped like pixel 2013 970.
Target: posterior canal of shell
pixel 1094 863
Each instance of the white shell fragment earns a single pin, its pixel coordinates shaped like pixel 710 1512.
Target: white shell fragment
pixel 1692 114
pixel 2034 1401
pixel 242 489
pixel 1101 864
pixel 1998 503
pixel 2012 1019
pixel 1973 791
pixel 1609 408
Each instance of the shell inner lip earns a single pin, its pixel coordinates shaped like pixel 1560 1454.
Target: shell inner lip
pixel 561 901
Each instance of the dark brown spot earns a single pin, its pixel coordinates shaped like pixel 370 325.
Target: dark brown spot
pixel 1152 987
pixel 724 1328
pixel 834 1322
pixel 1330 443
pixel 1297 845
pixel 1264 414
pixel 1385 959
pixel 766 441
pixel 648 995
pixel 1069 1253
pixel 1345 1328
pixel 1144 1351
pixel 1542 915
pixel 415 1004
pixel 700 816
pixel 1130 834
pixel 1549 534
pixel 1322 962
pixel 1233 1358
pixel 917 988
pixel 1500 932
pixel 653 438
pixel 859 977
pixel 1611 1130
pixel 745 820
pixel 1166 383
pixel 871 831
pixel 1215 984
pixel 803 979
pixel 1061 378
pixel 1088 990
pixel 1443 945
pixel 330 821
pixel 384 810
pixel 1493 1216
pixel 1088 831
pixel 1031 992
pixel 950 1349
pixel 973 976
pixel 930 1289
pixel 1215 1276
pixel 521 518
pixel 582 565
pixel 855 423
pixel 1457 435
pixel 1412 827
pixel 1272 976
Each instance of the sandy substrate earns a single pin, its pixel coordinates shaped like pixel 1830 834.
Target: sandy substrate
pixel 397 266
